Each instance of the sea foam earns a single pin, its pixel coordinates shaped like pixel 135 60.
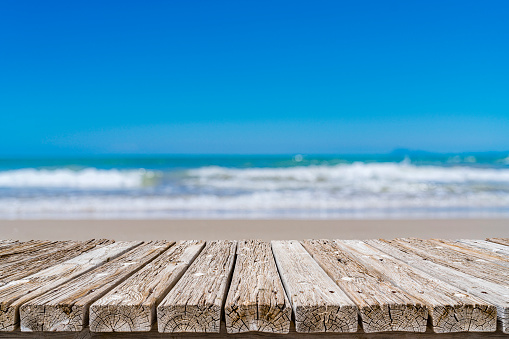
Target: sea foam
pixel 66 178
pixel 347 190
pixel 373 176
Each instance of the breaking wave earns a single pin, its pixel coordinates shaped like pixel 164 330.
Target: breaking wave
pixel 346 190
pixel 89 178
pixel 374 177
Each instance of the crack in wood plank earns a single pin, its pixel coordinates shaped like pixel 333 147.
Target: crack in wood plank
pixel 131 306
pixel 256 300
pixel 195 302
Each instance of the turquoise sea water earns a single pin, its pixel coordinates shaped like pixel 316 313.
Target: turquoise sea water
pixel 401 184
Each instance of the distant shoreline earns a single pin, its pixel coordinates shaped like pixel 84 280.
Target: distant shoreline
pixel 252 229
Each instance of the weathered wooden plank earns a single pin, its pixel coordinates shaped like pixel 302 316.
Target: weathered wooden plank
pixel 444 256
pixel 43 249
pixel 8 243
pixel 131 306
pixel 451 309
pixel 495 294
pixel 382 305
pixel 24 247
pixel 473 252
pixel 194 304
pixel 501 241
pixel 65 308
pixel 29 264
pixel 319 305
pixel 17 292
pixel 153 334
pixel 487 245
pixel 256 300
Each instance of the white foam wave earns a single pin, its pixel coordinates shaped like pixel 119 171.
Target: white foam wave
pixel 89 178
pixel 265 204
pixel 313 191
pixel 374 177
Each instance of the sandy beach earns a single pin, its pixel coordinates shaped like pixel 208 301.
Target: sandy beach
pixel 251 229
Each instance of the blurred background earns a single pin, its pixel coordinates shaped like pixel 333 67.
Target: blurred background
pixel 254 109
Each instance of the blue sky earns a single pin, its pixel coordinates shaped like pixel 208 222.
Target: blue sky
pixel 152 77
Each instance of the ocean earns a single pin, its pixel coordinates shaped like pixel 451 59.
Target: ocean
pixel 397 185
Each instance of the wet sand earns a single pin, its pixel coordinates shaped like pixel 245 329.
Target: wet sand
pixel 254 229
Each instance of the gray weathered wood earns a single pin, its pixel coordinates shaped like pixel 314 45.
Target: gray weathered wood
pixel 195 302
pixel 382 305
pixel 29 264
pixel 473 251
pixel 131 306
pixel 13 260
pixel 450 308
pixel 153 334
pixel 17 292
pixel 65 308
pixel 43 249
pixel 501 241
pixel 256 300
pixel 23 247
pixel 495 294
pixel 8 243
pixel 487 245
pixel 469 264
pixel 319 305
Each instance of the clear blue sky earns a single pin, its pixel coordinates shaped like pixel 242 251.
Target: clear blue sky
pixel 99 77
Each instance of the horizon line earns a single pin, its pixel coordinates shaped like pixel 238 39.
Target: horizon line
pixel 398 151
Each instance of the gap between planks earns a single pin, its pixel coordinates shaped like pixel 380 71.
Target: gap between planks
pixel 30 264
pixel 18 292
pixel 196 302
pixel 223 297
pixel 256 300
pixel 495 294
pixel 451 309
pixel 382 305
pixel 318 304
pixel 65 308
pixel 131 306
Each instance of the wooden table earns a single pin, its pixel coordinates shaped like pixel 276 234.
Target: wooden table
pixel 398 288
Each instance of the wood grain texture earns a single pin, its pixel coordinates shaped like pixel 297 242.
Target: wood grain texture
pixel 153 334
pixel 495 294
pixel 65 308
pixel 7 244
pixel 450 308
pixel 17 292
pixel 131 306
pixel 43 249
pixel 256 300
pixel 29 264
pixel 195 302
pixel 479 313
pixel 486 245
pixel 382 305
pixel 501 241
pixel 319 305
pixel 23 247
pixel 473 251
pixel 469 264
